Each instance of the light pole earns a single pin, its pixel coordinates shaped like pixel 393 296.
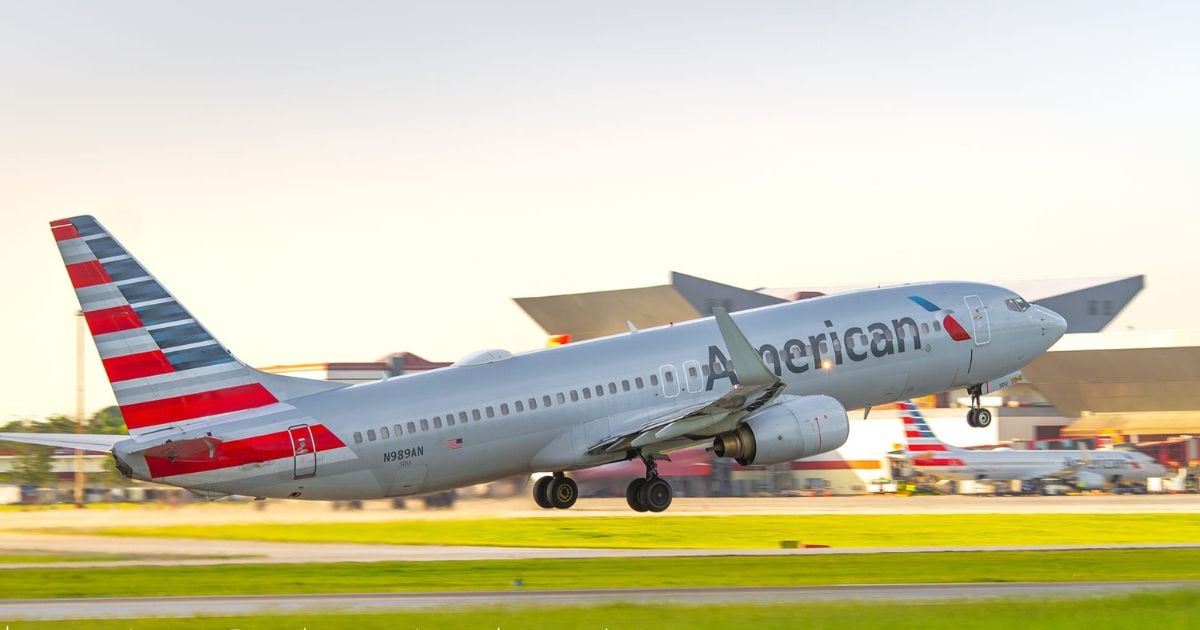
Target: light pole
pixel 79 334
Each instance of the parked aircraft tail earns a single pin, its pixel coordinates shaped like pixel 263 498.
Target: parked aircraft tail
pixel 164 366
pixel 917 434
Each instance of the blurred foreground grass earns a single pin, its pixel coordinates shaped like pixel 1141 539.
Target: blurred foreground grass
pixel 385 577
pixel 1167 611
pixel 722 532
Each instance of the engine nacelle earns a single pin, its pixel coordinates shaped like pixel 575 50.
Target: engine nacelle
pixel 800 427
pixel 1089 480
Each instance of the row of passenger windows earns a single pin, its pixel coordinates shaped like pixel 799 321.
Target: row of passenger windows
pixel 519 406
pixel 504 409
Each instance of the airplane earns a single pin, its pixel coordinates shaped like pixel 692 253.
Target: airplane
pixel 200 419
pixel 1091 469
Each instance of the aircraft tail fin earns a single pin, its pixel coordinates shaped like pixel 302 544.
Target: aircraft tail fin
pixel 164 366
pixel 917 434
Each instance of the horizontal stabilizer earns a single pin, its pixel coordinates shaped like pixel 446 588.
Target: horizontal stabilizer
pixel 99 443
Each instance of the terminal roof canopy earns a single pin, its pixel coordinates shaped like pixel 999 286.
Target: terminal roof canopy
pixel 1121 372
pixel 1088 304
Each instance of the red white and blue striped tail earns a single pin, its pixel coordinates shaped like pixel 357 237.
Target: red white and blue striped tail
pixel 917 432
pixel 164 366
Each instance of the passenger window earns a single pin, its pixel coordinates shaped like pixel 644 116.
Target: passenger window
pixel 670 376
pixel 937 326
pixel 462 417
pixel 561 399
pixel 412 427
pixel 475 415
pixel 625 385
pixel 587 394
pixel 370 435
pixel 491 413
pixel 654 380
pixel 692 371
pixel 437 422
pixel 704 370
pixel 599 390
pixel 504 409
pixel 545 401
pixel 574 396
pixel 612 388
pixel 357 437
pixel 384 433
pixel 424 424
pixel 532 404
pixel 520 406
pixel 449 419
pixel 397 429
pixel 639 383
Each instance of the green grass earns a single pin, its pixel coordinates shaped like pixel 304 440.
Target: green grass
pixel 1166 611
pixel 723 532
pixel 378 577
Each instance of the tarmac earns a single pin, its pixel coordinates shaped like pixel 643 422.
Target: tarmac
pixel 184 551
pixel 129 607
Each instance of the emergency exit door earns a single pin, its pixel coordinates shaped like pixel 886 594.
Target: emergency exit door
pixel 304 451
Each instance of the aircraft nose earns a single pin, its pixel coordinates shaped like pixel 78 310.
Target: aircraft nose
pixel 1053 325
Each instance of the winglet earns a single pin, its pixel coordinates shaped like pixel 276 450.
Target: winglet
pixel 747 364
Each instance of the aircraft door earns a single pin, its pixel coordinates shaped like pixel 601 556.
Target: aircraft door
pixel 979 320
pixel 304 451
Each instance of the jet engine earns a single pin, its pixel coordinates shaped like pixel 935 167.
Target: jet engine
pixel 800 426
pixel 1089 480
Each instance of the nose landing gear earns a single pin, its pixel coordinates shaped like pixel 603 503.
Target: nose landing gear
pixel 652 493
pixel 977 415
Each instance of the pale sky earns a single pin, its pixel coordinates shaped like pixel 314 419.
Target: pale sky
pixel 337 181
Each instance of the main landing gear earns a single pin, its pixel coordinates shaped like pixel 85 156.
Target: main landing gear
pixel 652 493
pixel 557 492
pixel 977 416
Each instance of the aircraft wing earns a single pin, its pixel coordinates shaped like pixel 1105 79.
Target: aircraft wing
pixel 756 388
pixel 96 442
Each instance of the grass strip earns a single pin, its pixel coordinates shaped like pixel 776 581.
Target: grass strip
pixel 722 532
pixel 1159 610
pixel 383 577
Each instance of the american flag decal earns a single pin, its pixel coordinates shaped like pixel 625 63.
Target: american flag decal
pixel 453 444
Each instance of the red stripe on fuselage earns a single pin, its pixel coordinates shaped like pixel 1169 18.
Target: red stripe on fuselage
pixel 111 320
pixel 926 447
pixel 87 274
pixel 138 365
pixel 63 231
pixel 198 405
pixel 251 450
pixel 945 461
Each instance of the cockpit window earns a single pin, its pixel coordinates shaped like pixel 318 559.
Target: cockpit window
pixel 1017 304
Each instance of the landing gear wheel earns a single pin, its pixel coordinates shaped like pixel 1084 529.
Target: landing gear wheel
pixel 656 494
pixel 971 413
pixel 633 495
pixel 983 418
pixel 540 494
pixel 562 492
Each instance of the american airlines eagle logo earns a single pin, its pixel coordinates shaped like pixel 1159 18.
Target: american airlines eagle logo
pixel 953 328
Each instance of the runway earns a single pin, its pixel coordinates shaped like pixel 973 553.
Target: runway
pixel 125 607
pixel 174 551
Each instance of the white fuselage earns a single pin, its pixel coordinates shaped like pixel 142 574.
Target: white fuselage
pixel 529 413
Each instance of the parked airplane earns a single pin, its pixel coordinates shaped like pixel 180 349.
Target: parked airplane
pixel 199 418
pixel 1089 468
